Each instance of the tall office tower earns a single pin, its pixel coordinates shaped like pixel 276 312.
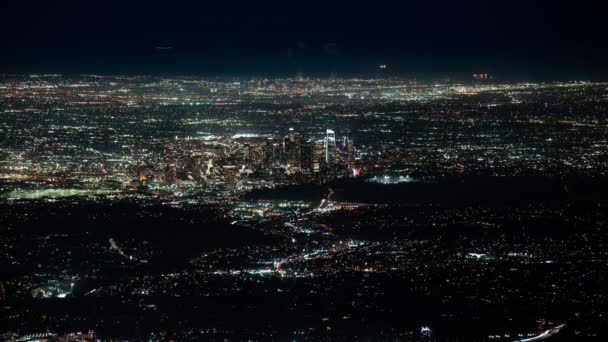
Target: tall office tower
pixel 306 155
pixel 287 149
pixel 297 138
pixel 343 142
pixel 209 168
pixel 277 153
pixel 247 153
pixel 141 174
pixel 292 148
pixel 345 152
pixel 330 147
pixel 350 151
pixel 318 155
pixel 268 154
pixel 273 153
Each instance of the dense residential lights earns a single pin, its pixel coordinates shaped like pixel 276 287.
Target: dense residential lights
pixel 296 171
pixel 190 208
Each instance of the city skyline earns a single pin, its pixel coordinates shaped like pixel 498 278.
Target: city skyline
pixel 303 171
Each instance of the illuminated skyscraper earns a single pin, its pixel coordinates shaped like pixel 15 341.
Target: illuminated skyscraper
pixel 141 174
pixel 273 152
pixel 306 158
pixel 318 155
pixel 247 153
pixel 330 147
pixel 292 145
pixel 348 150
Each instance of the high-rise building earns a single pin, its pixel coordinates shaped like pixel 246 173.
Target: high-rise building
pixel 292 145
pixel 318 155
pixel 141 174
pixel 330 147
pixel 247 153
pixel 272 152
pixel 306 158
pixel 209 167
pixel 349 150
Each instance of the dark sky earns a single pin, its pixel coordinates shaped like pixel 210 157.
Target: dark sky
pixel 512 39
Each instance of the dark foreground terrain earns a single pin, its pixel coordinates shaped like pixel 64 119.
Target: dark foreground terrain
pixel 460 259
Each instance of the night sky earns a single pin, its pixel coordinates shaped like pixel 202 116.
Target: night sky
pixel 511 39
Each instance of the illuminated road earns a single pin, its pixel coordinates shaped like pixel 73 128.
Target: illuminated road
pixel 545 334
